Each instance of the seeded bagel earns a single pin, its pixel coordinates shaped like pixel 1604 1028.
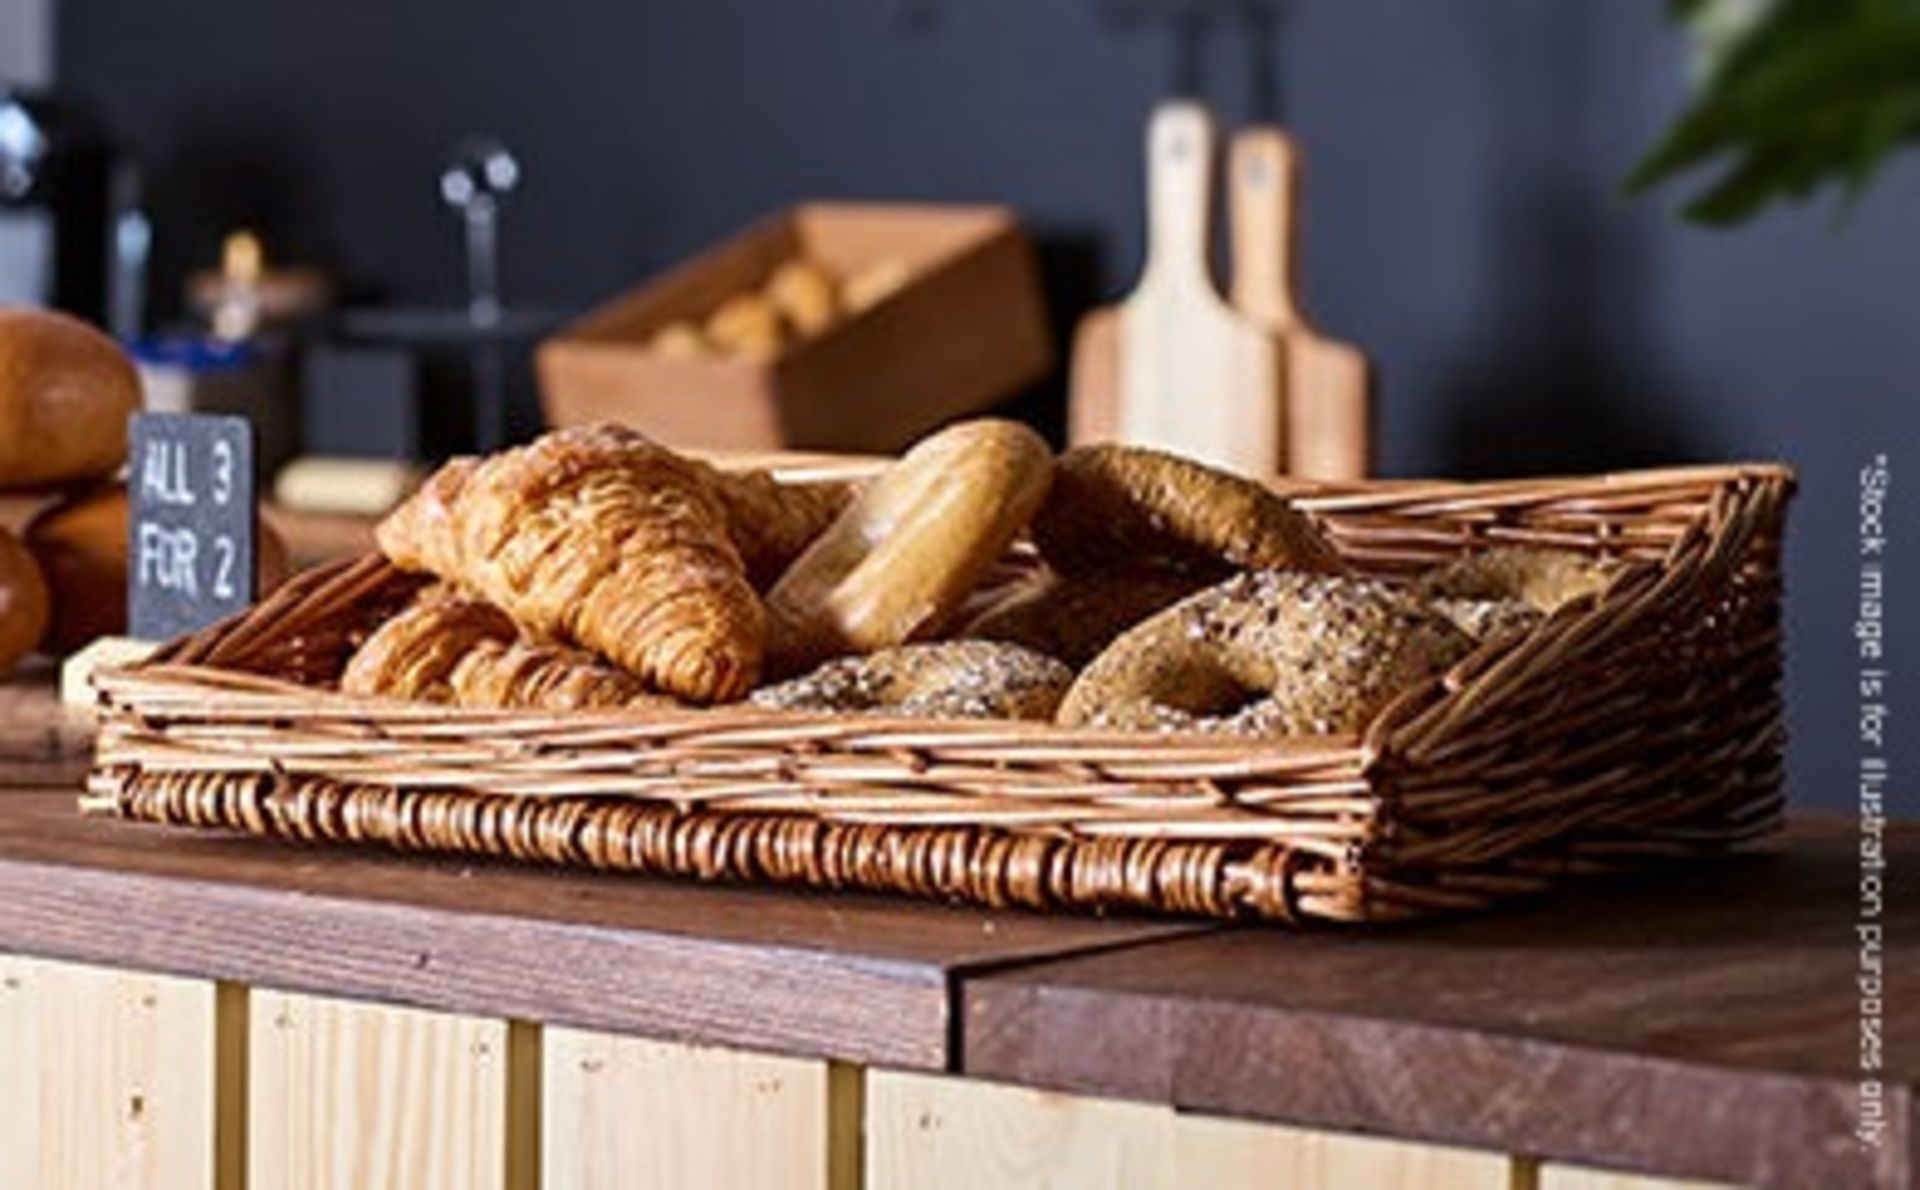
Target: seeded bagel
pixel 1268 653
pixel 957 679
pixel 1544 580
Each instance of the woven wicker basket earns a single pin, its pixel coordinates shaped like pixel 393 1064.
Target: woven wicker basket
pixel 1643 722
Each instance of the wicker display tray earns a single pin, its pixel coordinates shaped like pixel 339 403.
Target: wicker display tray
pixel 1641 723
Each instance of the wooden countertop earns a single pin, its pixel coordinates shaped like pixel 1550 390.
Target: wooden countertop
pixel 1701 1025
pixel 857 978
pixel 41 742
pixel 1697 1024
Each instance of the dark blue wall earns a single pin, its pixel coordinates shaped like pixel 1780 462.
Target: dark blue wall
pixel 1464 223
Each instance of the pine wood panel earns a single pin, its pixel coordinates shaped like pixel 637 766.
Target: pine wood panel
pixel 625 1113
pixel 1216 1152
pixel 107 1078
pixel 932 1132
pixel 1570 1177
pixel 350 1096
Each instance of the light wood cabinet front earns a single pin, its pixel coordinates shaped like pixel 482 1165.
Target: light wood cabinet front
pixel 350 1096
pixel 625 1113
pixel 940 1133
pixel 107 1078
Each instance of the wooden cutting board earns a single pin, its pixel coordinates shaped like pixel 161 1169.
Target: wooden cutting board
pixel 1173 366
pixel 1327 382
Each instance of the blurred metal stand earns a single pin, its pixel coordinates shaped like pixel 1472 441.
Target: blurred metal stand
pixel 475 182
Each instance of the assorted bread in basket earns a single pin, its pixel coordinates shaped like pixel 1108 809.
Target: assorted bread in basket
pixel 1111 679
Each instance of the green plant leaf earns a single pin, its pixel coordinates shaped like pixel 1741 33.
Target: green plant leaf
pixel 1821 91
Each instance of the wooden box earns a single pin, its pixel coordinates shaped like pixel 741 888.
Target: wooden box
pixel 964 329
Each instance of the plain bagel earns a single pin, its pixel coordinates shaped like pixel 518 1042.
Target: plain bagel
pixel 1118 507
pixel 898 562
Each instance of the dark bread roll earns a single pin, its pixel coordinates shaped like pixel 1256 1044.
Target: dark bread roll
pixel 23 602
pixel 66 391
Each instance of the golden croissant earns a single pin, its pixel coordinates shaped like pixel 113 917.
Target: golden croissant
pixel 771 523
pixel 597 537
pixel 451 649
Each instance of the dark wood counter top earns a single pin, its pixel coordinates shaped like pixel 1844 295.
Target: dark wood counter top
pixel 41 742
pixel 1701 1025
pixel 858 978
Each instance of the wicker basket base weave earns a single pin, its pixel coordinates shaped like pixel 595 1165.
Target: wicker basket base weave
pixel 1644 722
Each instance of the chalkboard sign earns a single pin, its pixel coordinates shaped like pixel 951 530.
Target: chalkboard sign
pixel 191 528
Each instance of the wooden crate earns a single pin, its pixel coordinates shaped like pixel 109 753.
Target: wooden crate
pixel 964 330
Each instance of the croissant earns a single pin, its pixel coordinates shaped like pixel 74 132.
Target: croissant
pixel 596 536
pixel 771 523
pixel 451 649
pixel 419 535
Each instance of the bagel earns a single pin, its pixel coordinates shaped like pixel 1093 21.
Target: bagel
pixel 1117 506
pixel 1544 580
pixel 1073 617
pixel 1268 653
pixel 900 559
pixel 956 679
pixel 1485 619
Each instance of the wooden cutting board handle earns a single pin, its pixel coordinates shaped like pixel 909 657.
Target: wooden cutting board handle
pixel 1329 399
pixel 1263 212
pixel 1193 376
pixel 1180 156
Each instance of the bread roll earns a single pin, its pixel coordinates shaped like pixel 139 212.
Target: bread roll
pixel 66 391
pixel 81 547
pixel 805 293
pixel 747 326
pixel 874 284
pixel 679 340
pixel 23 602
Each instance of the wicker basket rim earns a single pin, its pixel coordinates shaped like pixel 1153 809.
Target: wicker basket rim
pixel 240 690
